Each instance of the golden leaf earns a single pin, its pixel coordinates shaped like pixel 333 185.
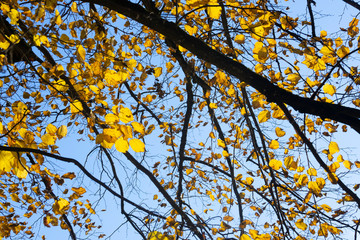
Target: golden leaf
pixel 62 131
pixel 137 145
pixel 274 144
pixel 111 119
pixel 221 143
pixel 264 116
pixel 60 206
pixel 294 78
pixel 126 115
pixel 214 10
pixel 245 237
pixel 240 39
pixel 80 53
pixel 69 175
pixel 342 51
pixel 80 190
pixel 213 105
pixel 347 164
pixel 157 72
pixel 333 148
pixel 300 224
pixel 312 172
pixel 275 164
pixel 122 145
pixel 279 132
pixel 329 89
pixel 76 106
pixel 138 127
pixel 14 16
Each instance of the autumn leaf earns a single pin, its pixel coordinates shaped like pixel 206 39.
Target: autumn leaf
pixel 274 144
pixel 333 148
pixel 264 116
pixel 329 89
pixel 122 145
pixel 214 10
pixel 279 132
pixel 80 53
pixel 126 115
pixel 300 224
pixel 60 206
pixel 137 145
pixel 228 218
pixel 275 164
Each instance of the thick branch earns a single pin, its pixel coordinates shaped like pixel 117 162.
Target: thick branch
pixel 273 93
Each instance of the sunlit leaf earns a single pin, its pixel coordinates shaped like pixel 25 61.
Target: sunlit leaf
pixel 300 224
pixel 264 116
pixel 275 164
pixel 137 145
pixel 333 147
pixel 126 115
pixel 122 145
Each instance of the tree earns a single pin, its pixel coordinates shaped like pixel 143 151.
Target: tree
pixel 234 111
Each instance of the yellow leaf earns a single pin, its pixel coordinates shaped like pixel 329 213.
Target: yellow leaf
pixel 274 144
pixel 338 42
pixel 69 175
pixel 111 119
pixel 249 180
pixel 126 131
pixel 137 145
pixel 188 171
pixel 191 30
pixel 333 148
pixel 7 160
pixel 214 10
pixel 294 78
pixel 240 39
pixel 228 218
pixel 312 172
pixel 221 143
pixel 138 127
pixel 126 115
pixel 80 53
pixel 314 188
pixel 259 68
pixel 157 72
pixel 327 50
pixel 80 190
pixel 48 139
pixel 290 164
pixel 213 105
pixel 329 89
pixel 245 237
pixel 264 116
pixel 326 207
pixel 122 145
pixel 60 206
pixel 275 164
pixel 347 164
pixel 58 19
pixel 51 129
pixel 342 51
pixel 300 224
pixel 44 40
pixel 104 141
pixel 14 16
pixel 76 106
pixel 279 132
pixel 62 131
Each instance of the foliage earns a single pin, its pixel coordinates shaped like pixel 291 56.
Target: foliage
pixel 233 111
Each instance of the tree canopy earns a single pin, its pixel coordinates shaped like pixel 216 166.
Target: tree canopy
pixel 203 119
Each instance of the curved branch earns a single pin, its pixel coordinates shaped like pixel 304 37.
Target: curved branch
pixel 346 115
